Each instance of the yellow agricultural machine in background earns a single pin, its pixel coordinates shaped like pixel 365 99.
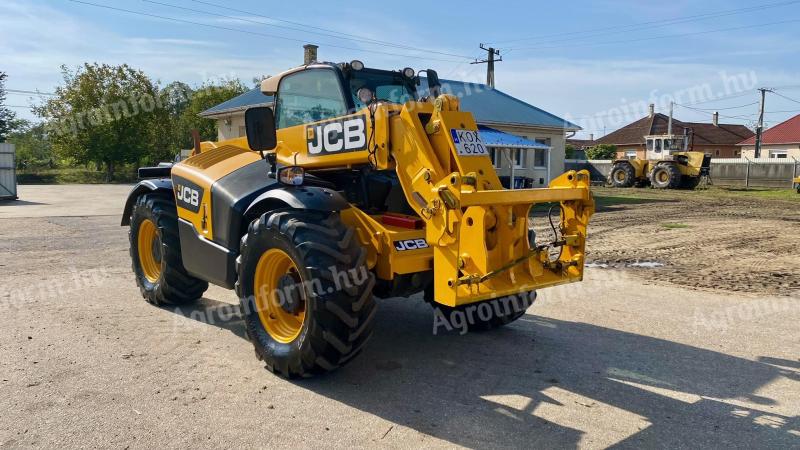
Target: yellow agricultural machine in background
pixel 668 165
pixel 353 186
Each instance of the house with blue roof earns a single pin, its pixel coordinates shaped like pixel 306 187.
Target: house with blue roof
pixel 526 142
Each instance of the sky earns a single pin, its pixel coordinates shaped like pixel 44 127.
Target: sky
pixel 596 63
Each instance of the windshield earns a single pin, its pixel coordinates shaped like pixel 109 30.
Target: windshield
pixel 387 86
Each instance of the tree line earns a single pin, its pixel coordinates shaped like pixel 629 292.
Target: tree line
pixel 106 117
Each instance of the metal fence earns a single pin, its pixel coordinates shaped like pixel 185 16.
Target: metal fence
pixel 8 172
pixel 764 172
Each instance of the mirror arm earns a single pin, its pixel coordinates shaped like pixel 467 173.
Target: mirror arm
pixel 272 159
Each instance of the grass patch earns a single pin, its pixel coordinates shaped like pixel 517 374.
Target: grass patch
pixel 71 176
pixel 674 226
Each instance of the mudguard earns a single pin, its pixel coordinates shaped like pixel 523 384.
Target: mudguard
pixel 300 197
pixel 144 187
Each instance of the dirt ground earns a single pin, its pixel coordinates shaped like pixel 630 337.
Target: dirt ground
pixel 702 352
pixel 706 240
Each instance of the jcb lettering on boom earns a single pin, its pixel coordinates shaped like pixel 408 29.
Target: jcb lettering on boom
pixel 337 136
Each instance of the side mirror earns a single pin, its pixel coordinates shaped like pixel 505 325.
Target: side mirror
pixel 434 85
pixel 260 126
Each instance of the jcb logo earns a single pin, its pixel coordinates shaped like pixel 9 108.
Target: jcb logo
pixel 410 244
pixel 337 136
pixel 187 194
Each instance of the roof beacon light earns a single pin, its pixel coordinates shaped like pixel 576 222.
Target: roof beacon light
pixel 408 72
pixel 356 64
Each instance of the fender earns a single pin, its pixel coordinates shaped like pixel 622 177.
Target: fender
pixel 300 197
pixel 143 187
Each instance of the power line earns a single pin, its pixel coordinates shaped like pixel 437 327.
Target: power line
pixel 723 109
pixel 21 92
pixel 787 98
pixel 219 27
pixel 664 36
pixel 337 35
pixel 650 24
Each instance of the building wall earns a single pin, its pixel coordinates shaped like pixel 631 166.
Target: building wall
pixel 623 151
pixel 230 127
pixel 558 143
pixel 792 150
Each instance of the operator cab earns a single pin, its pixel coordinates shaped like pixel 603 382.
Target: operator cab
pixel 661 147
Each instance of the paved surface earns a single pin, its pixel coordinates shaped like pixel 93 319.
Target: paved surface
pixel 611 361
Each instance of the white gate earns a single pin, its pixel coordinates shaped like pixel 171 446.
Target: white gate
pixel 8 172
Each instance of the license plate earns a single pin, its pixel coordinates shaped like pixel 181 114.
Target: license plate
pixel 469 143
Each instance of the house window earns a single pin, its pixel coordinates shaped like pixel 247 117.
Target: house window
pixel 780 154
pixel 540 154
pixel 518 155
pixel 630 154
pixel 540 158
pixel 496 154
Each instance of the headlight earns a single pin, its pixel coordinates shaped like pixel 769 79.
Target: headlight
pixel 356 65
pixel 408 72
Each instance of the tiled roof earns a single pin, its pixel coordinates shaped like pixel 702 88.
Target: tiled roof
pixel 490 106
pixel 784 133
pixel 704 133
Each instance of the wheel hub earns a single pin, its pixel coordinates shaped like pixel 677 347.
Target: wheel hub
pixel 291 296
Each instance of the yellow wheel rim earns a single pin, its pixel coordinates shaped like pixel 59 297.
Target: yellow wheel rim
pixel 620 176
pixel 279 295
pixel 149 247
pixel 663 176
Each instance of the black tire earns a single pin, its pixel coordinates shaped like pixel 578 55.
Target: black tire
pixel 476 317
pixel 623 175
pixel 174 286
pixel 665 176
pixel 690 182
pixel 339 314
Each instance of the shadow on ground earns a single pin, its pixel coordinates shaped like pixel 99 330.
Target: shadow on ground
pixel 490 389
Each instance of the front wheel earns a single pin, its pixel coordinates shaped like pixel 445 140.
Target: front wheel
pixel 305 290
pixel 155 251
pixel 665 176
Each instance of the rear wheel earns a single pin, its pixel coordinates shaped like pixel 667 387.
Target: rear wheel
pixel 305 290
pixel 156 253
pixel 665 176
pixel 623 175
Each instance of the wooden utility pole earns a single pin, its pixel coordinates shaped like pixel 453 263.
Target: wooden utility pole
pixel 760 127
pixel 489 61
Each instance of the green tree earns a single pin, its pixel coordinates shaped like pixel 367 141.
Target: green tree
pixel 106 115
pixel 602 151
pixel 6 115
pixel 203 98
pixel 569 151
pixel 32 144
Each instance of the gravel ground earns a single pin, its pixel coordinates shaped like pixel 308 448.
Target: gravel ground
pixel 631 357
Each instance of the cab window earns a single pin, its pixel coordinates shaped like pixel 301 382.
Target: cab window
pixel 309 96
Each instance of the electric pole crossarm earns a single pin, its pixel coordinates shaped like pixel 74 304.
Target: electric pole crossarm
pixel 489 61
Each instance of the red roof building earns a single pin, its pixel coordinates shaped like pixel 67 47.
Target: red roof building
pixel 717 139
pixel 781 141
